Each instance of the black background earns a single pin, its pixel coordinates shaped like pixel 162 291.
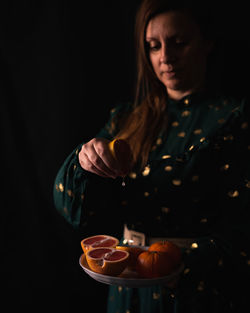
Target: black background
pixel 63 67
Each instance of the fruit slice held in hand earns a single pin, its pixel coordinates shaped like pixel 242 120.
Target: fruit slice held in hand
pixel 161 259
pixel 98 241
pixel 121 151
pixel 133 254
pixel 107 261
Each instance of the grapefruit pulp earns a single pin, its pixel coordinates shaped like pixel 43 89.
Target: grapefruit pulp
pixel 92 242
pixel 107 261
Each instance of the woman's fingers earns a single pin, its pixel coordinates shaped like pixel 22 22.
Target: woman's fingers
pixel 95 157
pixel 90 167
pixel 103 151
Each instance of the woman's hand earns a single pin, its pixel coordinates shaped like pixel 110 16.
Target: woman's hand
pixel 95 157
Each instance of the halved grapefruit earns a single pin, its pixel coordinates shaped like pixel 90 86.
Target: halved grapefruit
pixel 98 241
pixel 107 261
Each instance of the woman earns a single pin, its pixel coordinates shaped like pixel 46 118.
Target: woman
pixel 190 175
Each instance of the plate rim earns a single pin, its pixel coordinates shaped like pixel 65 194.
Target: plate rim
pixel 128 281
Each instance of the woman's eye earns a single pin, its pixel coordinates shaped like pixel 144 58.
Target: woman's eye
pixel 154 47
pixel 175 43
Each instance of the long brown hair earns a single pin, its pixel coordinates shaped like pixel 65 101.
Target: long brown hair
pixel 148 116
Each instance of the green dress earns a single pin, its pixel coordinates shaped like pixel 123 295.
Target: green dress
pixel 196 185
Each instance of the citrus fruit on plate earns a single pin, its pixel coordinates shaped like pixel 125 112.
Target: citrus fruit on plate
pixel 107 261
pixel 151 264
pixel 128 278
pixel 97 241
pixel 168 247
pixel 161 259
pixel 134 252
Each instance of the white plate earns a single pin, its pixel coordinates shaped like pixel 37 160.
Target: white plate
pixel 127 278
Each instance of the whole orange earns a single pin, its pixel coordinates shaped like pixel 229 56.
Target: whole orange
pixel 151 264
pixel 166 246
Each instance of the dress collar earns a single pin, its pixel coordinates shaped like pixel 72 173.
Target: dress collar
pixel 190 100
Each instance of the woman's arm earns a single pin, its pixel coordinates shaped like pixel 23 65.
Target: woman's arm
pixel 69 188
pixel 84 180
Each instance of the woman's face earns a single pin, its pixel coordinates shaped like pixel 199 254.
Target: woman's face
pixel 178 52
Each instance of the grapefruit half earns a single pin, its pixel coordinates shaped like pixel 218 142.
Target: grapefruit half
pixel 97 241
pixel 107 261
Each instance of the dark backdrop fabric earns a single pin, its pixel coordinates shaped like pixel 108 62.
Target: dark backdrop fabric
pixel 63 67
pixel 59 68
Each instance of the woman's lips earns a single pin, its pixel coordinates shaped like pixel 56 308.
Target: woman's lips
pixel 169 74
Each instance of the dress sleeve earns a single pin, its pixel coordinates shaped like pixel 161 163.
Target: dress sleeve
pixel 75 189
pixel 224 255
pixel 69 188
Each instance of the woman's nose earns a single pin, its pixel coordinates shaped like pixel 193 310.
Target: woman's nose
pixel 166 55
